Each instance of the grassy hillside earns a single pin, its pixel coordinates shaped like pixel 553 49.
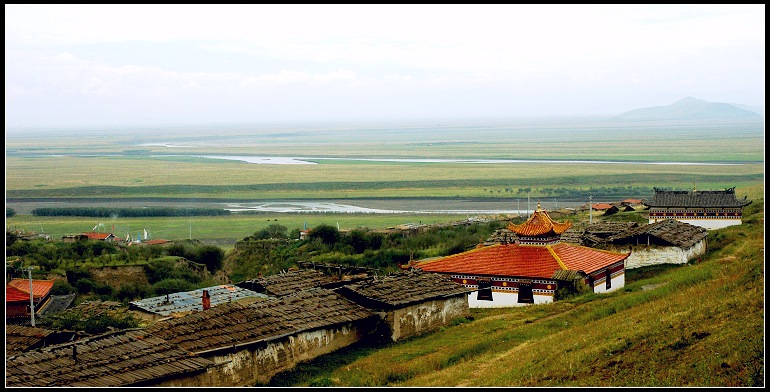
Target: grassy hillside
pixel 700 324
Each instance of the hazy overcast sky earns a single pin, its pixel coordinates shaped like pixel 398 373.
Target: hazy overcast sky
pixel 119 65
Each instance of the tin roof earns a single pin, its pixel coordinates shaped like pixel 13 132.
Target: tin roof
pixel 40 288
pixel 235 324
pixel 404 288
pixel 192 300
pixel 539 224
pixel 533 261
pixel 726 198
pixel 126 358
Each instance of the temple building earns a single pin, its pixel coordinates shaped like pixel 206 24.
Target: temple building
pixel 707 209
pixel 532 269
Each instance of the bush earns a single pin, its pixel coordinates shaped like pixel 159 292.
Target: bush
pixel 132 291
pixel 170 286
pixel 61 287
pixel 85 285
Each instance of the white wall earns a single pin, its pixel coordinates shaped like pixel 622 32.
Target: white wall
pixel 643 255
pixel 505 299
pixel 618 281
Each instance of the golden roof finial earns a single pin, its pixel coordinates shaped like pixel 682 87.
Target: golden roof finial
pixel 693 187
pixel 538 206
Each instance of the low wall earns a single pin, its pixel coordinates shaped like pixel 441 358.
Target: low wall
pixel 245 367
pixel 415 319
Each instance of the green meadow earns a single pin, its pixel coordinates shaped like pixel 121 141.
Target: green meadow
pixel 359 161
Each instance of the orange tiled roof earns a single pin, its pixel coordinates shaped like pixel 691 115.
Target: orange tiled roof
pixel 40 288
pixel 97 236
pixel 12 294
pixel 534 261
pixel 601 206
pixel 538 224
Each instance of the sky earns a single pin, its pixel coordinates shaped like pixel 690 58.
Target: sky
pixel 121 65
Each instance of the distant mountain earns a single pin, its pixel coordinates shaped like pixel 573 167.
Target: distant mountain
pixel 692 109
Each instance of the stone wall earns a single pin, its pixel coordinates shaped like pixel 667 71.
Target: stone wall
pixel 245 367
pixel 427 316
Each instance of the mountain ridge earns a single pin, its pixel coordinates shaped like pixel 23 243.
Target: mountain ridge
pixel 690 108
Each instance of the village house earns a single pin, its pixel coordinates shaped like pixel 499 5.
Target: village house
pixel 664 242
pixel 109 237
pixel 17 299
pixel 530 270
pixel 251 343
pixel 708 209
pixel 20 338
pixel 410 302
pixel 115 359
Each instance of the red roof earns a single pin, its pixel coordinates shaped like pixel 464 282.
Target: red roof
pixel 535 261
pixel 12 294
pixel 97 236
pixel 40 288
pixel 538 224
pixel 602 206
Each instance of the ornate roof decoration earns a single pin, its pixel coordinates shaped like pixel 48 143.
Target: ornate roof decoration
pixel 539 224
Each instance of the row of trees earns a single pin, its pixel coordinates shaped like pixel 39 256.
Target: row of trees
pixel 107 212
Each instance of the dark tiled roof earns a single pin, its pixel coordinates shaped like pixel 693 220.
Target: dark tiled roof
pixel 111 360
pixel 404 288
pixel 289 282
pixel 19 338
pixel 671 231
pixel 724 198
pixel 58 303
pixel 573 235
pixel 235 324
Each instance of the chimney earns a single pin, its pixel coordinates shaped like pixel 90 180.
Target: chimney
pixel 206 300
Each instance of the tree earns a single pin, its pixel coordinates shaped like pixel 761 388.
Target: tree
pixel 210 255
pixel 327 234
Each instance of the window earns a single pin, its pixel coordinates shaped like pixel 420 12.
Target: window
pixel 485 290
pixel 525 292
pixel 608 279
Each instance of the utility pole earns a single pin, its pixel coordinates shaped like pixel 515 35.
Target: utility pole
pixel 31 300
pixel 527 205
pixel 590 210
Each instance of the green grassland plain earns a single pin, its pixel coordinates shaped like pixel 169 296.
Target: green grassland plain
pixel 163 163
